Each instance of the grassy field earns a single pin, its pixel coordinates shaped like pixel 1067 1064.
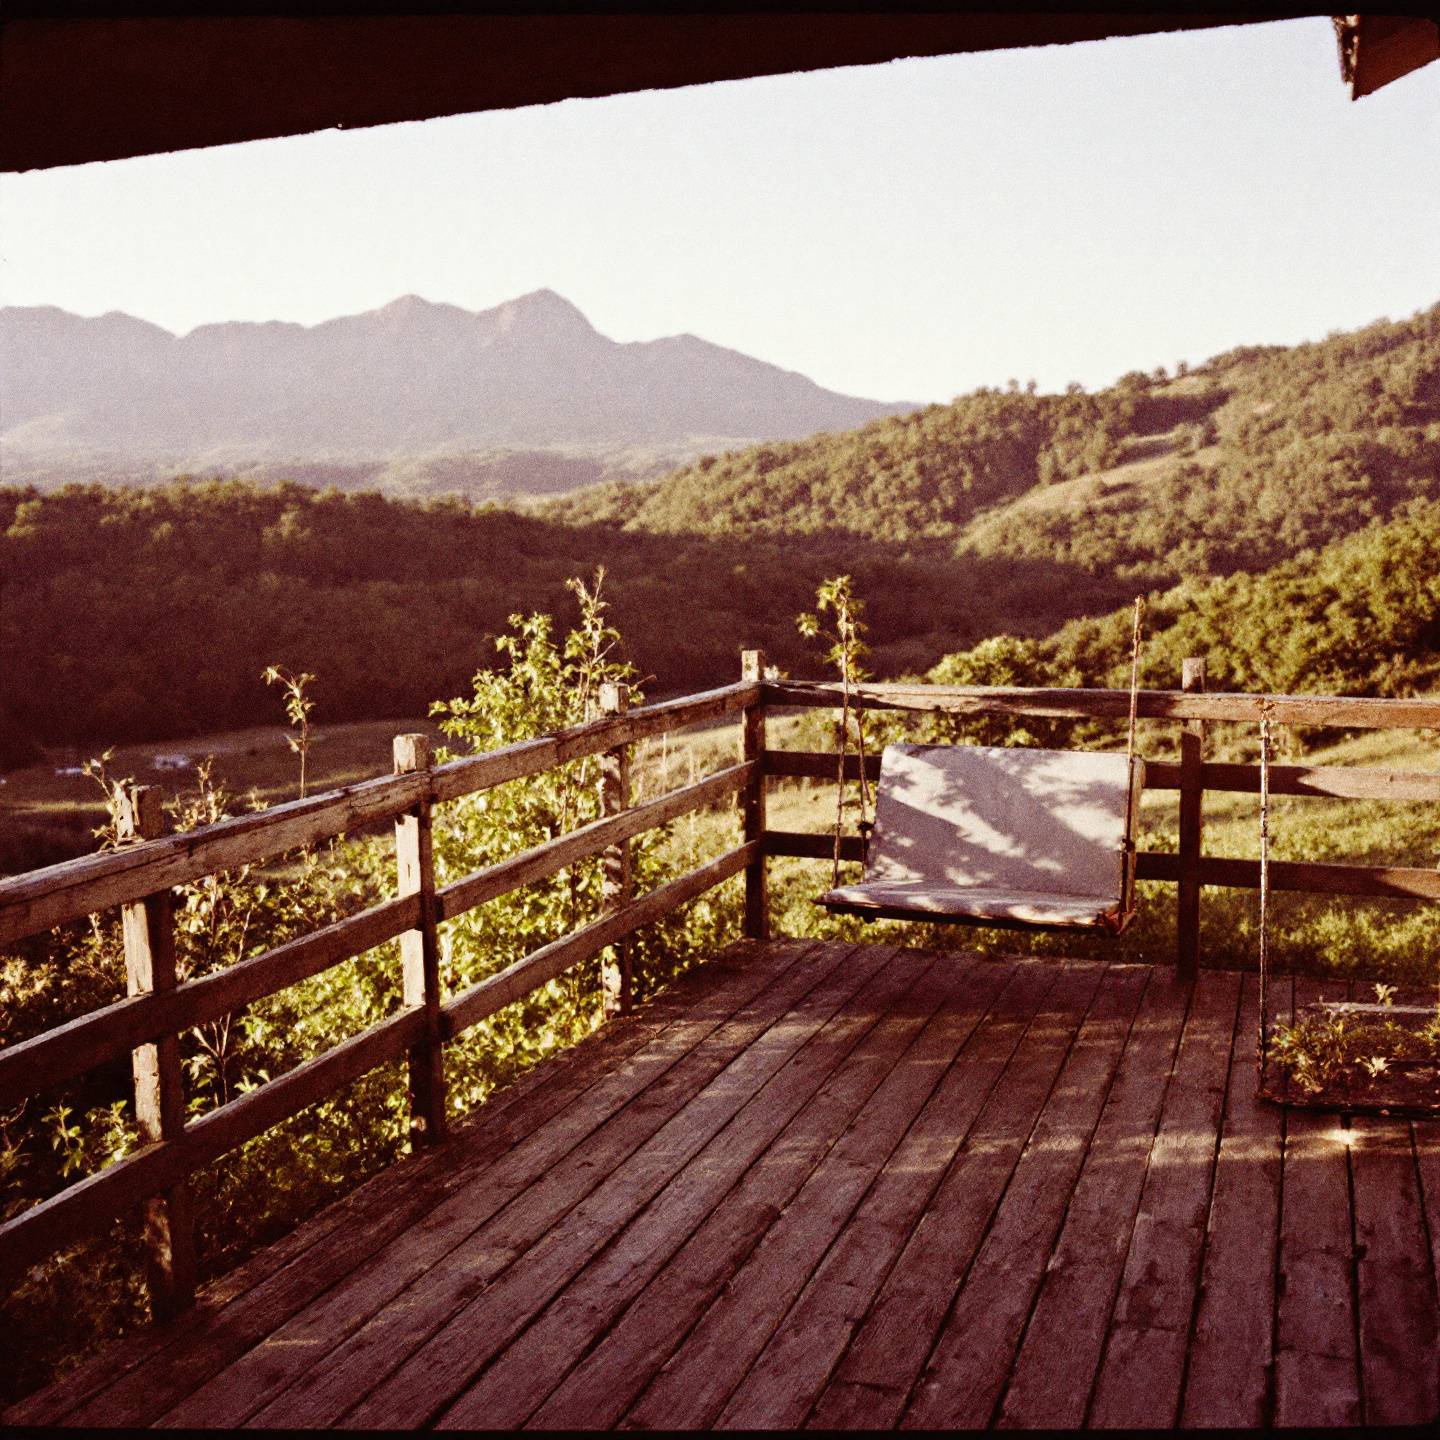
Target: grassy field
pixel 48 812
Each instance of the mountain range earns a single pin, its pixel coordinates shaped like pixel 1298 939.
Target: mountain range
pixel 408 393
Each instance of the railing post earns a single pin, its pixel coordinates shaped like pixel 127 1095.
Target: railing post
pixel 149 930
pixel 419 952
pixel 616 886
pixel 752 747
pixel 1192 792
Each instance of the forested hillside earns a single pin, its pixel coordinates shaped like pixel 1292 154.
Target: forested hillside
pixel 1359 617
pixel 1234 466
pixel 131 614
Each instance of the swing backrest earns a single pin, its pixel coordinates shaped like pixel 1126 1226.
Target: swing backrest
pixel 1013 819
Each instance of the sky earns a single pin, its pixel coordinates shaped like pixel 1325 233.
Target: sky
pixel 908 231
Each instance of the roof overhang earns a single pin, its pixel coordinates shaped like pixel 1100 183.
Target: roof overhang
pixel 1376 49
pixel 78 86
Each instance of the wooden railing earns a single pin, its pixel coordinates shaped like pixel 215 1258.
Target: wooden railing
pixel 138 877
pixel 1194 710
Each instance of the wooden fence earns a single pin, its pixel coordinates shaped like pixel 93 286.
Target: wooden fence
pixel 139 876
pixel 1193 709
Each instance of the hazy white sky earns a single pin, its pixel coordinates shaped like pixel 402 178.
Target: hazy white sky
pixel 903 231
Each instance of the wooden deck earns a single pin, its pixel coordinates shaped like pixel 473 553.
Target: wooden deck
pixel 847 1187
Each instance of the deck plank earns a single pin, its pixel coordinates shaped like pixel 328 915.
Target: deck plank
pixel 421 1349
pixel 965 1375
pixel 562 1080
pixel 196 1347
pixel 1426 1137
pixel 1399 1352
pixel 701 1233
pixel 720 1350
pixel 1316 1371
pixel 1228 1381
pixel 367 1272
pixel 981 1043
pixel 1050 1384
pixel 871 1384
pixel 1142 1370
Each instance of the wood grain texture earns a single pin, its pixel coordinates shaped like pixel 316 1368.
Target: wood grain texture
pixel 1054 1372
pixel 57 894
pixel 104 1035
pixel 1399 1327
pixel 541 1117
pixel 975 1352
pixel 552 856
pixel 749 1173
pixel 872 1383
pixel 1317 1381
pixel 1141 1374
pixel 449 1317
pixel 1340 711
pixel 1228 1377
pixel 830 1185
pixel 518 980
pixel 244 1294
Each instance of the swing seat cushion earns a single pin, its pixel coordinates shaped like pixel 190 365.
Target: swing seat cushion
pixel 1017 836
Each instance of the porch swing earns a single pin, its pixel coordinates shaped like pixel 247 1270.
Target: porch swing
pixel 1013 838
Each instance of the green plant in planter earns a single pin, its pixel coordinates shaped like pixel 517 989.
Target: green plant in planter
pixel 1333 1049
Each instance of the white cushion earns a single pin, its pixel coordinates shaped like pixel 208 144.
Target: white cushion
pixel 1030 835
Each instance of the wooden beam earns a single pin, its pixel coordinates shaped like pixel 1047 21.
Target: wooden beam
pixel 1334 711
pixel 554 855
pixel 148 926
pixel 104 1035
pixel 419 951
pixel 1192 796
pixel 752 751
pixel 616 889
pixel 1392 882
pixel 98 1199
pixel 529 757
pixel 44 898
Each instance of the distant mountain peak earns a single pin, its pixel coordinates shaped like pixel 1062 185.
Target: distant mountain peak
pixel 541 308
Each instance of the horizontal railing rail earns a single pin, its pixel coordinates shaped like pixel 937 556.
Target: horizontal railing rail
pixel 135 874
pixel 1334 782
pixel 1332 711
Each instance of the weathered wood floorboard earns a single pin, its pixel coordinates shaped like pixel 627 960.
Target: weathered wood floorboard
pixel 246 1305
pixel 1316 1373
pixel 1227 1382
pixel 528 1139
pixel 720 1350
pixel 405 1295
pixel 451 1314
pixel 1142 1371
pixel 1399 1353
pixel 968 1368
pixel 748 1173
pixel 1052 1378
pixel 831 1185
pixel 873 1381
